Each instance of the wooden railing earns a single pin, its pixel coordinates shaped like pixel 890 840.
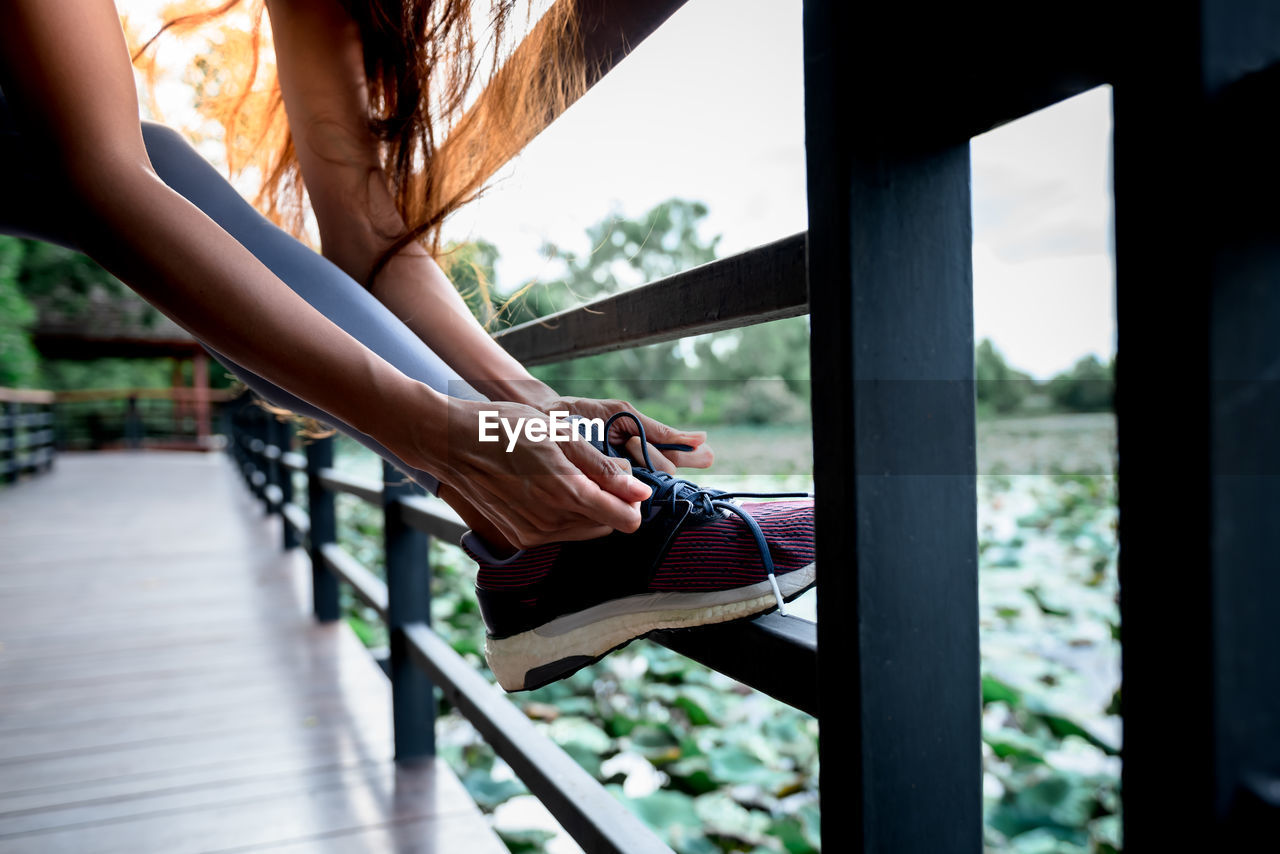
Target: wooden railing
pixel 419 659
pixel 163 418
pixel 775 654
pixel 893 94
pixel 27 436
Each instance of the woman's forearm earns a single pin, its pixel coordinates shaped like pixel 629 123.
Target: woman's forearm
pixel 414 287
pixel 83 116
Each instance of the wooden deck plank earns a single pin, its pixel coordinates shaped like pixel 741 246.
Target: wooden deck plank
pixel 244 817
pixel 163 687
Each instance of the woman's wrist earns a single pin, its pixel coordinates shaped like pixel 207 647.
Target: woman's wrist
pixel 420 415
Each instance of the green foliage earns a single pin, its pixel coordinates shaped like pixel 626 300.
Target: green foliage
pixel 60 374
pixel 756 375
pixel 61 280
pixel 1048 621
pixel 18 358
pixel 65 279
pixel 627 252
pixel 1088 387
pixel 1001 389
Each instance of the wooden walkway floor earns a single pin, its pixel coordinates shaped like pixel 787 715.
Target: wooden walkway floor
pixel 163 688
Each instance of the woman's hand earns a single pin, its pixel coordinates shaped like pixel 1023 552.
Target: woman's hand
pixel 655 431
pixel 534 491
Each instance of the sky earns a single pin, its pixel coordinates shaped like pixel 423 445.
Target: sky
pixel 711 108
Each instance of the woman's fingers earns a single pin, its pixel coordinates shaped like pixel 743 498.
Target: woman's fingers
pixel 658 458
pixel 655 431
pixel 604 492
pixel 699 458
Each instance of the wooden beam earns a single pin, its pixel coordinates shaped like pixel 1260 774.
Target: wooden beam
pixel 610 31
pixel 773 654
pixel 367 490
pixel 25 395
pixel 762 284
pixel 368 588
pixel 593 817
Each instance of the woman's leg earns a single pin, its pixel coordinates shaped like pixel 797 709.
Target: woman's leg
pixel 321 283
pixel 331 291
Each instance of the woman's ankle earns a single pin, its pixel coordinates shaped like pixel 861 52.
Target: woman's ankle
pixel 480 525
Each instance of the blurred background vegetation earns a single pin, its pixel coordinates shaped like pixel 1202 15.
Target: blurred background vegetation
pixel 712 766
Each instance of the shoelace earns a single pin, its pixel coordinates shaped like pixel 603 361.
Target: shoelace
pixel 708 502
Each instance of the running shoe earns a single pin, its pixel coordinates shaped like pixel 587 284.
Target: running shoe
pixel 698 558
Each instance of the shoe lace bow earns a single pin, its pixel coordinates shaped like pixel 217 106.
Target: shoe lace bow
pixel 707 503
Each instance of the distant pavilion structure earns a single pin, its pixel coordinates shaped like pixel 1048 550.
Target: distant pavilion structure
pixel 124 326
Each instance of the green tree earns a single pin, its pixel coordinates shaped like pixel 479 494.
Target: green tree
pixel 628 252
pixel 625 253
pixel 18 358
pixel 1088 387
pixel 757 374
pixel 38 276
pixel 1001 388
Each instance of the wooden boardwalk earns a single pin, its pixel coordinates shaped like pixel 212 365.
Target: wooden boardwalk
pixel 163 687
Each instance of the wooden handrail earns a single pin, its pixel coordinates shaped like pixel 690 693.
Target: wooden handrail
pixel 583 807
pixel 80 395
pixel 183 394
pixel 25 395
pixel 759 285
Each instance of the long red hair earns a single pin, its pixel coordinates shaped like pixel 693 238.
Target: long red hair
pixel 423 62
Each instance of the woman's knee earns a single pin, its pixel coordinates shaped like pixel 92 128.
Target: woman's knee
pixel 162 139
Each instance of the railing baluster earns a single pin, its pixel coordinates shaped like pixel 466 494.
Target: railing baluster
pixel 284 479
pixel 409 601
pixel 51 437
pixel 271 457
pixel 258 449
pixel 320 507
pixel 12 467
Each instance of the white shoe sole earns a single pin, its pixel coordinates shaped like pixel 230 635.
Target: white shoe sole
pixel 568 643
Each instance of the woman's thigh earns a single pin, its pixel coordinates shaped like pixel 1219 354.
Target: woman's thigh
pixel 321 283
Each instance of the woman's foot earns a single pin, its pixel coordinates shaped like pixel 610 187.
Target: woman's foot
pixel 698 558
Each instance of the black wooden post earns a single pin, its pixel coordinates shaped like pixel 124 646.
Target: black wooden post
pixel 51 437
pixel 1198 404
pixel 320 507
pixel 134 428
pixel 13 468
pixel 236 434
pixel 890 290
pixel 272 441
pixel 261 432
pixel 284 441
pixel 409 601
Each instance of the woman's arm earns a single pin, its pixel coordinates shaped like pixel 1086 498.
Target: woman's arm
pixel 321 68
pixel 65 71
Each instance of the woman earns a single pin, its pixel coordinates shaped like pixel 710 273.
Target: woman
pixel 579 553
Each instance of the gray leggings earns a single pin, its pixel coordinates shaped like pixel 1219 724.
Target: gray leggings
pixel 335 294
